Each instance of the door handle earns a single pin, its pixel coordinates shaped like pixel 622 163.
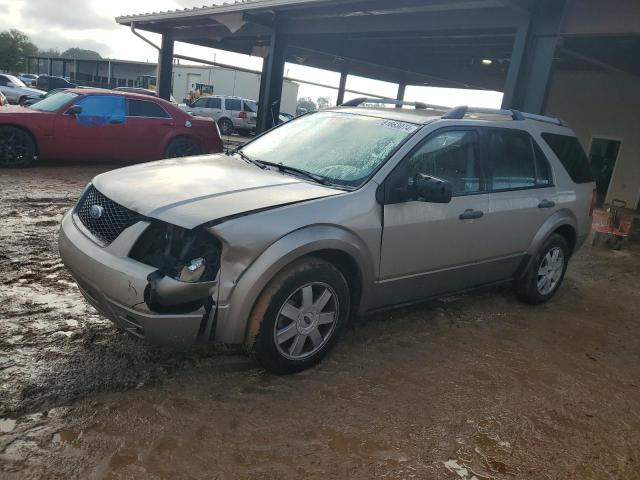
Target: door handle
pixel 471 214
pixel 546 204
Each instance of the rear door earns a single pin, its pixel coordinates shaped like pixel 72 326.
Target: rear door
pixel 522 192
pixel 430 248
pixel 148 125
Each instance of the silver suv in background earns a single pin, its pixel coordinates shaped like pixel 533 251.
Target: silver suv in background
pixel 233 114
pixel 17 92
pixel 336 213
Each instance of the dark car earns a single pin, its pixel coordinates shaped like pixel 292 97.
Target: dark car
pixel 50 82
pixel 93 124
pixel 141 91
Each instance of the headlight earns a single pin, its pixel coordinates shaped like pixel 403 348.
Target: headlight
pixel 189 256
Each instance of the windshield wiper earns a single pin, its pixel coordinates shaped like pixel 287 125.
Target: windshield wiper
pixel 285 168
pixel 248 159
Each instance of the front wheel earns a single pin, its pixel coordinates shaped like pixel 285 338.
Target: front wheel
pixel 17 148
pixel 546 271
pixel 183 147
pixel 302 312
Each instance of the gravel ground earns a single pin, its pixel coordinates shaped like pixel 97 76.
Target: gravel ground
pixel 474 386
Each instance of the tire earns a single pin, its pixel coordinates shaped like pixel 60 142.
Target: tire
pixel 545 273
pixel 22 101
pixel 302 312
pixel 17 148
pixel 183 147
pixel 226 126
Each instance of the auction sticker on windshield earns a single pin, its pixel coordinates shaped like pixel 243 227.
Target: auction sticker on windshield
pixel 402 126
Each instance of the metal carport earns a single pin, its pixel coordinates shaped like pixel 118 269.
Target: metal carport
pixel 408 42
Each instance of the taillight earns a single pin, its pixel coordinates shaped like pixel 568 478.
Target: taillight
pixel 243 115
pixel 594 200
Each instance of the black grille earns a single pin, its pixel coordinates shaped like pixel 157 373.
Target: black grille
pixel 113 220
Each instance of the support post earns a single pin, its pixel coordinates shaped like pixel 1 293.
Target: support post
pixel 532 57
pixel 165 67
pixel 64 68
pixel 272 77
pixel 402 87
pixel 342 87
pixel 76 66
pixel 50 66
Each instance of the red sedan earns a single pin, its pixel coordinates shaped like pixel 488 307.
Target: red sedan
pixel 81 124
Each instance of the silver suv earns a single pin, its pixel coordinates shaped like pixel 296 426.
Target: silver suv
pixel 333 214
pixel 233 114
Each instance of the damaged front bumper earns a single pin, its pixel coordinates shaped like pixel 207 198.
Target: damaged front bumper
pixel 115 285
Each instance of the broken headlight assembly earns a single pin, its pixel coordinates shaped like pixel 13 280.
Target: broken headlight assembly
pixel 189 256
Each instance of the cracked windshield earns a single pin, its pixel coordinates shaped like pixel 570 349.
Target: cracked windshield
pixel 343 148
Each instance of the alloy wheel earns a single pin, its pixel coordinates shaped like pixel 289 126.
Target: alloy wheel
pixel 16 148
pixel 550 271
pixel 306 321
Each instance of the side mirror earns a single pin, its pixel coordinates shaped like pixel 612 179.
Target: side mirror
pixel 75 110
pixel 432 189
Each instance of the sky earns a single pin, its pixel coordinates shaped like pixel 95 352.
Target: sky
pixel 90 24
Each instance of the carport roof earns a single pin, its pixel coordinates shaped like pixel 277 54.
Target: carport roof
pixel 422 42
pixel 419 42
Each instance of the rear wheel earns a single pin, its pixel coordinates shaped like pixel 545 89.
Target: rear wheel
pixel 546 271
pixel 17 148
pixel 302 312
pixel 183 147
pixel 226 126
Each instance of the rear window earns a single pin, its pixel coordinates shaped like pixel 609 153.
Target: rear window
pixel 571 155
pixel 142 108
pixel 233 105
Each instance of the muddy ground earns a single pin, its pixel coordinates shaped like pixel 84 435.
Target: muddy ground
pixel 474 386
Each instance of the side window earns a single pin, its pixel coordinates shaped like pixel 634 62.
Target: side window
pixel 250 106
pixel 544 177
pixel 101 109
pixel 143 108
pixel 511 161
pixel 3 81
pixel 200 103
pixel 571 155
pixel 454 156
pixel 214 103
pixel 233 104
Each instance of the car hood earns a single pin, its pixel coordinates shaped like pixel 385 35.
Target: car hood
pixel 191 191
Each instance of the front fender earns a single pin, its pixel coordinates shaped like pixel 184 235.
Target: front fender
pixel 232 322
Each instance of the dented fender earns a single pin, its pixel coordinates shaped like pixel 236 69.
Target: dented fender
pixel 242 286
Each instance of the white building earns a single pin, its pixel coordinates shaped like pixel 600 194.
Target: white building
pixel 227 81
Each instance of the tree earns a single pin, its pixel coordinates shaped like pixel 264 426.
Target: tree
pixel 15 47
pixel 307 104
pixel 81 54
pixel 324 102
pixel 49 53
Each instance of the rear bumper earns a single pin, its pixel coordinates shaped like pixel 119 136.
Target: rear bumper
pixel 115 285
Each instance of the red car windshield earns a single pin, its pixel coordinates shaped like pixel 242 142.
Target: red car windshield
pixel 54 102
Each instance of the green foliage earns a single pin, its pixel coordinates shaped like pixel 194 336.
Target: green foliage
pixel 307 103
pixel 81 54
pixel 324 102
pixel 15 47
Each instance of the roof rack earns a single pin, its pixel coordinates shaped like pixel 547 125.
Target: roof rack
pixel 356 102
pixel 459 113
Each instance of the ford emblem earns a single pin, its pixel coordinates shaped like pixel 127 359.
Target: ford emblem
pixel 96 211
